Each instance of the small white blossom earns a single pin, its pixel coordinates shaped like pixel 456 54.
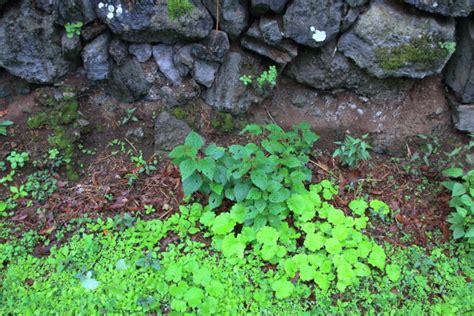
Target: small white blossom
pixel 119 10
pixel 111 8
pixel 101 5
pixel 312 29
pixel 110 16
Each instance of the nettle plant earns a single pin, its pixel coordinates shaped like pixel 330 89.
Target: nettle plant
pixel 275 216
pixel 353 150
pixel 462 190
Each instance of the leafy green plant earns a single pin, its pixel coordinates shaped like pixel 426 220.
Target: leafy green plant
pixel 353 150
pixel 73 28
pixel 268 77
pixel 17 160
pixel 449 46
pixel 3 127
pixel 462 190
pixel 259 177
pixel 246 80
pixel 129 116
pixel 178 8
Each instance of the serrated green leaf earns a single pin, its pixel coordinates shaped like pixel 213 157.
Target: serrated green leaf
pixel 194 140
pixel 283 288
pixel 393 272
pixel 279 196
pixel 187 167
pixel 192 184
pixel 233 247
pixel 259 178
pixel 241 191
pixel 207 166
pixel 223 224
pixel 314 241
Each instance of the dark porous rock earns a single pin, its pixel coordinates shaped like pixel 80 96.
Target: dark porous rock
pixel 260 7
pixel 128 82
pixel 183 60
pixel 459 73
pixel 328 70
pixel 271 30
pixel 281 52
pixel 95 56
pixel 228 94
pixel 169 132
pixel 71 47
pixel 217 45
pixel 65 11
pixel 313 22
pixel 89 32
pixel 180 95
pixel 462 114
pixel 148 21
pixel 356 3
pixel 164 57
pixel 234 16
pixel 118 50
pixel 142 52
pixel 11 85
pixel 455 8
pixel 204 72
pixel 390 40
pixel 30 45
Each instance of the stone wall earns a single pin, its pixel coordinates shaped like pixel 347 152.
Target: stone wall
pixel 140 50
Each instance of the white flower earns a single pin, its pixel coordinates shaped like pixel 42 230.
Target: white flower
pixel 101 5
pixel 110 16
pixel 312 29
pixel 319 36
pixel 111 8
pixel 119 10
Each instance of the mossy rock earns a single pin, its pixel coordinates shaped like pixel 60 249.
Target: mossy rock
pixel 421 53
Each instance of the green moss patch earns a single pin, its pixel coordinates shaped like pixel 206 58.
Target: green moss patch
pixel 421 52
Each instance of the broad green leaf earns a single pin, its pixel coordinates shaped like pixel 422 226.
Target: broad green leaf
pixel 207 166
pixel 239 212
pixel 358 206
pixel 194 140
pixel 336 217
pixel 453 172
pixel 216 187
pixel 259 178
pixel 279 196
pixel 393 272
pixel 379 207
pixel 458 189
pixel 187 167
pixel 194 296
pixel 267 235
pixel 241 191
pixel 207 218
pixel 233 247
pixel 215 200
pixel 214 151
pixel 291 162
pixel 223 224
pixel 252 129
pixel 283 288
pixel 314 241
pixel 191 184
pixel 333 246
pixel 377 257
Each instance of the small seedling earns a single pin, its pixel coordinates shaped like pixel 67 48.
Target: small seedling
pixel 246 80
pixel 73 28
pixel 3 127
pixel 17 159
pixel 449 46
pixel 352 150
pixel 129 116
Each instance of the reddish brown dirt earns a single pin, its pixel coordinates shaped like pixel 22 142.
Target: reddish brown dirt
pixel 421 209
